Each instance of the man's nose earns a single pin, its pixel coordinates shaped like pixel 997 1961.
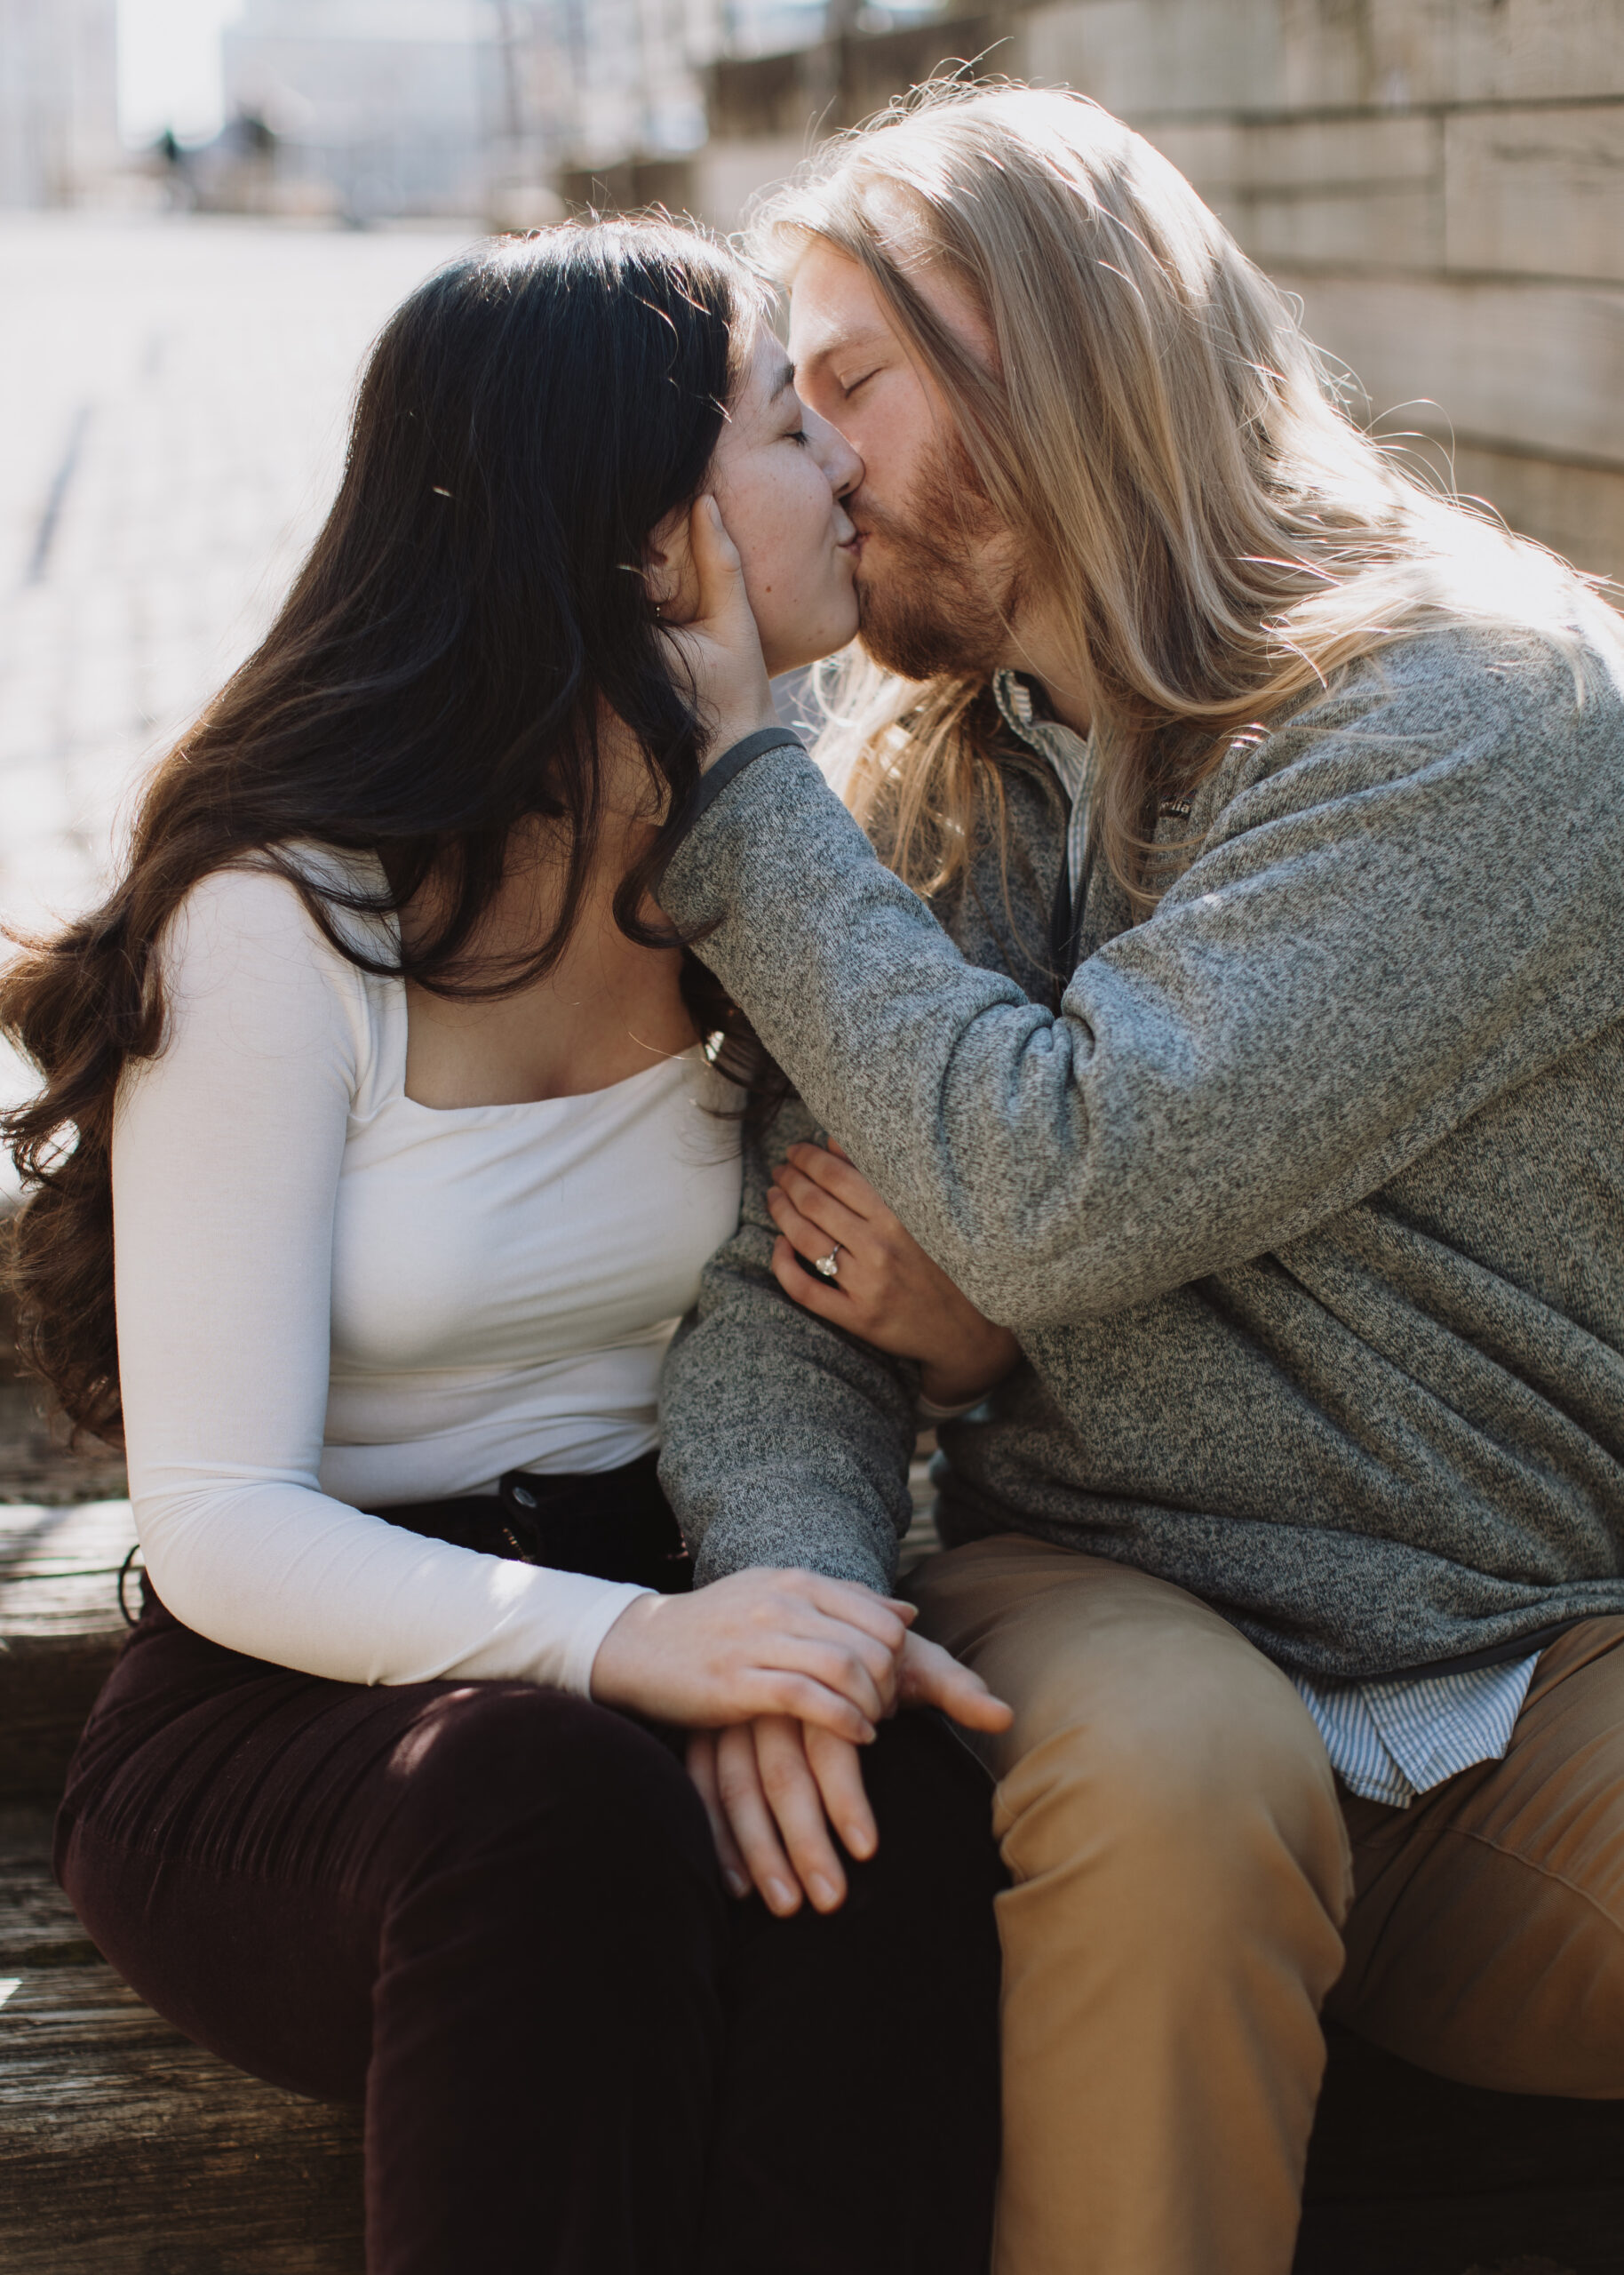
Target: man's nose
pixel 836 456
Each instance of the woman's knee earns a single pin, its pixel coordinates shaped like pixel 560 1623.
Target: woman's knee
pixel 512 1780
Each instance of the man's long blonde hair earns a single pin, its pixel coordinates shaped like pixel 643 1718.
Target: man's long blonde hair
pixel 1167 447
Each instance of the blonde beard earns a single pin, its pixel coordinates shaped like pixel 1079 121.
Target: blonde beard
pixel 937 614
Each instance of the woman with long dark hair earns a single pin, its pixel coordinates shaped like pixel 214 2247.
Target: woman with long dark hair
pixel 384 1130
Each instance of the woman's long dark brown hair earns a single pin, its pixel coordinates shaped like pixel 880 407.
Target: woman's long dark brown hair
pixel 436 675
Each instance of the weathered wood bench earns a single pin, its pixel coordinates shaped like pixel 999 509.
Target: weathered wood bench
pixel 129 2151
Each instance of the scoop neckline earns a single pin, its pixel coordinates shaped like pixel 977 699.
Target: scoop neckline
pixel 564 1098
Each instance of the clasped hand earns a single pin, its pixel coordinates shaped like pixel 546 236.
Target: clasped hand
pixel 776 1787
pixel 781 1679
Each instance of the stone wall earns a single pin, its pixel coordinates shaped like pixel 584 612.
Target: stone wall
pixel 1441 182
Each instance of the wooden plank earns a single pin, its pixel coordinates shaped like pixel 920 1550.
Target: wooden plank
pixel 60 1629
pixel 1464 51
pixel 1537 192
pixel 1360 193
pixel 123 2139
pixel 37 1926
pixel 1364 227
pixel 1252 158
pixel 1157 56
pixel 37 1461
pixel 728 174
pixel 130 2152
pixel 1389 2130
pixel 1537 2233
pixel 1155 59
pixel 57 1546
pixel 1411 2173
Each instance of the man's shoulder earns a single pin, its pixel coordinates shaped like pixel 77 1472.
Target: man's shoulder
pixel 1529 692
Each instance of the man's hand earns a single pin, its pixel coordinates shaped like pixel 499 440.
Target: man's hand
pixel 774 1787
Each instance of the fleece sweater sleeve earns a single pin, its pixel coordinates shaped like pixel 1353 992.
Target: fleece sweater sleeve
pixel 1404 900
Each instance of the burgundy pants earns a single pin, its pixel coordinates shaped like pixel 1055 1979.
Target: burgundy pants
pixel 491 1913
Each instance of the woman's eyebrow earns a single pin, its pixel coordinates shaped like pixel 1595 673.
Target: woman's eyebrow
pixel 785 378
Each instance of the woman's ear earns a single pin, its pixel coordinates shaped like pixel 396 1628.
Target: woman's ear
pixel 668 568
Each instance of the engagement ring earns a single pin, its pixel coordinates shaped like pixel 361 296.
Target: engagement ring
pixel 828 1267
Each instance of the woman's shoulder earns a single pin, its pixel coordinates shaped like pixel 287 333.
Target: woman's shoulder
pixel 244 946
pixel 257 901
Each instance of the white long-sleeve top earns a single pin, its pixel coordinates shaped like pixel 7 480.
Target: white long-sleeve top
pixel 331 1298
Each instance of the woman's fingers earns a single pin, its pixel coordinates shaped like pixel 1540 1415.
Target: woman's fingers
pixel 791 1195
pixel 762 1642
pixel 811 1238
pixel 805 1287
pixel 720 647
pixel 839 1666
pixel 744 1802
pixel 771 1691
pixel 886 1618
pixel 718 572
pixel 702 1768
pixel 847 1655
pixel 794 1204
pixel 828 1167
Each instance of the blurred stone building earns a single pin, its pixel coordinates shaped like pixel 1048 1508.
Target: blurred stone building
pixel 1441 182
pixel 377 107
pixel 59 100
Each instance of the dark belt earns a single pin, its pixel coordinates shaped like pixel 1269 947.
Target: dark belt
pixel 614 1523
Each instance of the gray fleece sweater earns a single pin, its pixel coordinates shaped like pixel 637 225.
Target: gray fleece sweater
pixel 1305 1198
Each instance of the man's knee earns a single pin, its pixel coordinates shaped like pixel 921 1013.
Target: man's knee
pixel 1183 1814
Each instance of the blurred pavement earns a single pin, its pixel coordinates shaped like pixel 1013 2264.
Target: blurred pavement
pixel 173 394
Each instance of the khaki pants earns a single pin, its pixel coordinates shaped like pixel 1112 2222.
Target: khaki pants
pixel 1190 1887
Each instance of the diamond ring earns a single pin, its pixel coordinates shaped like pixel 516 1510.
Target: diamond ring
pixel 828 1267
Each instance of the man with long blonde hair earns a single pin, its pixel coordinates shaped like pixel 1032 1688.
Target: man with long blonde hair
pixel 1256 1062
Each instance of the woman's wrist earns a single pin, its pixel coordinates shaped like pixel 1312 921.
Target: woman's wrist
pixel 618 1660
pixel 934 1407
pixel 947 1388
